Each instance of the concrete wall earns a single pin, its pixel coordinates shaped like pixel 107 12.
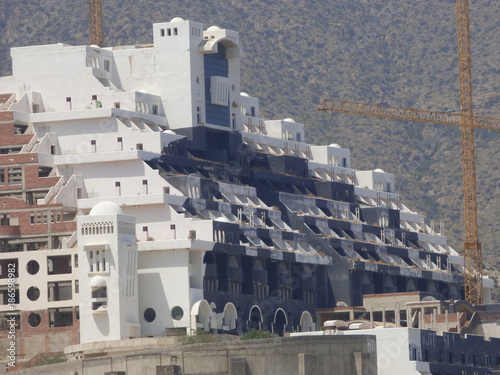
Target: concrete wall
pixel 353 355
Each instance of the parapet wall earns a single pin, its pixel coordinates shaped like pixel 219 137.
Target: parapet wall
pixel 290 355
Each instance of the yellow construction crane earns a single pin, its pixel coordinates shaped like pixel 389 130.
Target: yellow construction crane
pixel 96 31
pixel 473 262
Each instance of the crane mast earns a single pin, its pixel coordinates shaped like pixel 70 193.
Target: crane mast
pixel 96 30
pixel 473 262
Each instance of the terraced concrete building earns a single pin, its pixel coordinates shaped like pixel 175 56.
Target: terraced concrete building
pixel 143 194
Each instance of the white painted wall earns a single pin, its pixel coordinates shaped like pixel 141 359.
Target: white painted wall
pixel 120 276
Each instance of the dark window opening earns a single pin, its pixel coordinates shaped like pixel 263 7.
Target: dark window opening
pixel 7 298
pixel 247 284
pixel 34 319
pixel 100 292
pixel 44 171
pixel 149 315
pixel 60 264
pixel 60 291
pixel 60 317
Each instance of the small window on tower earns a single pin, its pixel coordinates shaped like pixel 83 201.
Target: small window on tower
pixel 162 32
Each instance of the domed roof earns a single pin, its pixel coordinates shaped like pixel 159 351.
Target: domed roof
pixel 213 28
pixel 177 19
pixel 334 145
pixel 105 208
pixel 244 94
pixel 97 282
pixel 289 120
pixel 379 170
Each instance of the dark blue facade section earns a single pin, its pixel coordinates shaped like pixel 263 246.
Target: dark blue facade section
pixel 452 354
pixel 216 64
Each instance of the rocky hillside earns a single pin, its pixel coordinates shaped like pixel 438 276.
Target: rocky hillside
pixel 400 53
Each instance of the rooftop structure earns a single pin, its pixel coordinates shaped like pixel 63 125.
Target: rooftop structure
pixel 417 334
pixel 144 195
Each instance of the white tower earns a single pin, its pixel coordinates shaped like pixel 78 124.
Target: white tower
pixel 107 250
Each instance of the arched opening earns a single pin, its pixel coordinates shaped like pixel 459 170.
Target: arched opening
pixel 260 280
pixel 306 322
pixel 200 316
pixel 410 285
pixel 367 286
pixel 284 281
pixel 431 287
pixel 229 317
pixel 255 318
pixel 389 285
pixel 280 322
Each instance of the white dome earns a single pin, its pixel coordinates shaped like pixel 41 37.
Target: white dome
pixel 105 208
pixel 168 131
pixel 289 120
pixel 213 28
pixel 379 170
pixel 97 282
pixel 177 19
pixel 335 145
pixel 244 94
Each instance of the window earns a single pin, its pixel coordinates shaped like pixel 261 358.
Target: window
pixel 427 356
pixel 149 315
pixel 216 64
pixel 33 293
pixel 106 65
pixel 175 30
pixel 177 313
pixel 34 319
pixel 169 32
pixel 155 109
pixel 162 32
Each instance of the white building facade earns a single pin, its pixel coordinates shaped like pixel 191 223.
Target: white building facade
pixel 234 222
